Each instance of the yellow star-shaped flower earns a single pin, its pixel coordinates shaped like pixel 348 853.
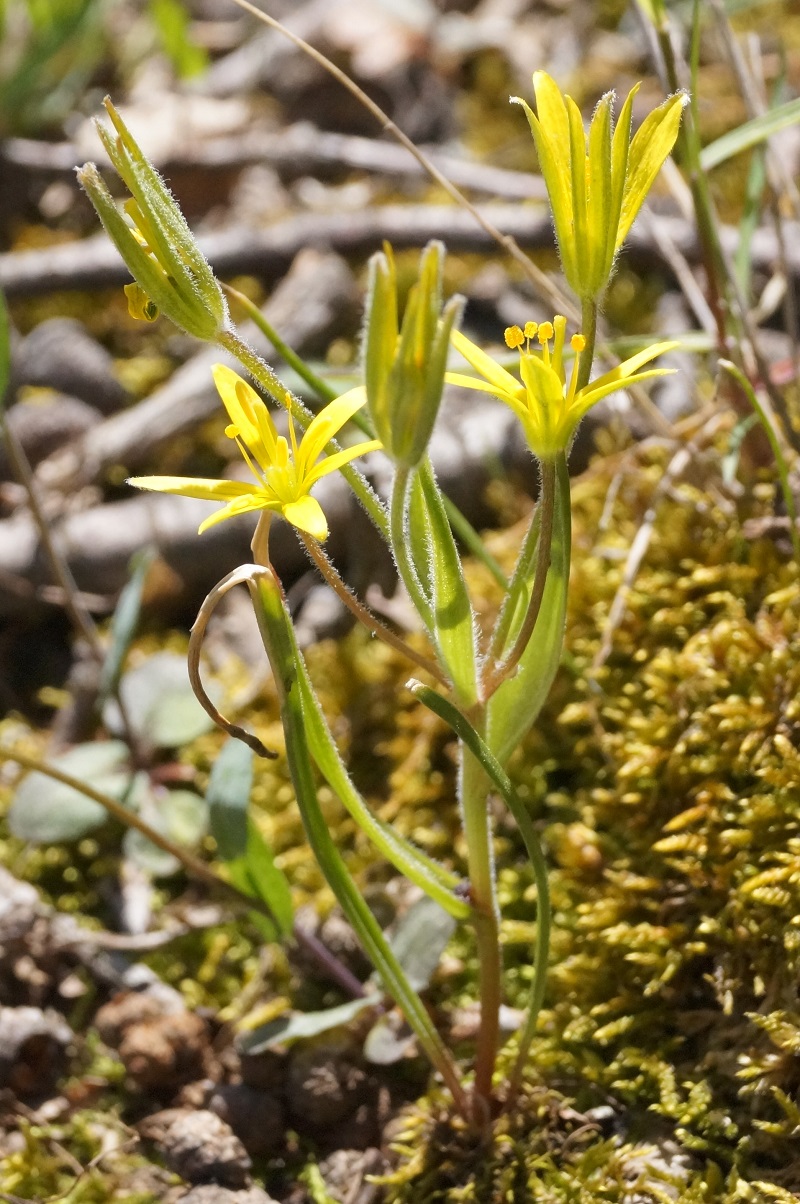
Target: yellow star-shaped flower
pixel 548 405
pixel 284 475
pixel 596 185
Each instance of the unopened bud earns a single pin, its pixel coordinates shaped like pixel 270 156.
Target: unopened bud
pixel 405 366
pixel 159 249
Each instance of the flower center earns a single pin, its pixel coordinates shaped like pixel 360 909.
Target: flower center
pixel 550 337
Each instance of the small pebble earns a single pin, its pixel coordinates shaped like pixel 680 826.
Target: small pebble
pixel 198 1146
pixel 256 1117
pixel 209 1193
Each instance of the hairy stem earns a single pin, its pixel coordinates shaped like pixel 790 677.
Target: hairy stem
pixel 480 861
pixel 364 615
pixel 400 546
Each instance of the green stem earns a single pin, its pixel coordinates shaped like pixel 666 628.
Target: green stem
pixel 260 370
pixel 401 546
pixel 470 738
pixel 589 332
pixel 322 389
pixel 364 615
pixel 505 668
pixel 687 152
pixel 522 570
pixel 274 626
pixel 483 895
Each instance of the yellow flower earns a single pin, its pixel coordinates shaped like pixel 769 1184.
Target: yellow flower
pixel 284 477
pixel 547 404
pixel 596 189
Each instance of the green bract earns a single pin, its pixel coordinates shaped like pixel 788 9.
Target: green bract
pixel 405 366
pixel 596 188
pixel 158 247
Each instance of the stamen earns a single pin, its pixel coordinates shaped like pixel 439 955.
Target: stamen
pixel 560 329
pixel 578 344
pixel 292 436
pixel 545 334
pixel 261 475
pixel 514 337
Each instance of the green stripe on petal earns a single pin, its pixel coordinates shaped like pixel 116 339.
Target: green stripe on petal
pixel 629 366
pixel 198 487
pixel 589 397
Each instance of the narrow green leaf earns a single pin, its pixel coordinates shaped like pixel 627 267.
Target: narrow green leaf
pixel 256 873
pixel 302 1025
pixel 276 631
pixel 515 706
pixel 749 133
pixel 419 538
pixel 230 784
pixel 437 882
pixel 174 28
pixel 125 620
pixel 454 630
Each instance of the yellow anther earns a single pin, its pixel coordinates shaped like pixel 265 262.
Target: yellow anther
pixel 530 329
pixel 546 332
pixel 578 342
pixel 514 337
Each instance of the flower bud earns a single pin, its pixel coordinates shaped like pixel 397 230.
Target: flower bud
pixel 405 366
pixel 156 243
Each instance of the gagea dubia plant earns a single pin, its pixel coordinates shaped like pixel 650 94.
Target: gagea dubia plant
pixel 488 686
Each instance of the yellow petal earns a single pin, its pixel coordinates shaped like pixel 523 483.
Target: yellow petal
pixel 199 487
pixel 331 463
pixel 500 380
pixel 248 414
pixel 325 425
pixel 306 513
pixel 589 397
pixel 624 370
pixel 555 163
pixel 580 217
pixel 257 500
pixel 652 143
pixel 599 187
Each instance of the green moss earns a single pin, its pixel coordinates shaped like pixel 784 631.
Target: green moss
pixel 662 776
pixel 89 1157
